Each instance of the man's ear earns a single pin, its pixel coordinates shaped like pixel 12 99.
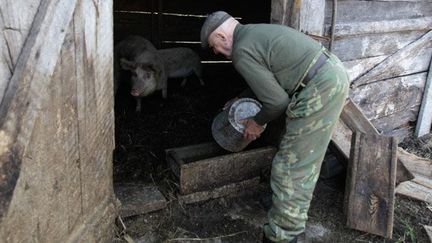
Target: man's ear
pixel 221 36
pixel 128 65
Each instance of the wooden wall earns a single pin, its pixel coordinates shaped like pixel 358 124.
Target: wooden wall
pixel 57 122
pixel 386 46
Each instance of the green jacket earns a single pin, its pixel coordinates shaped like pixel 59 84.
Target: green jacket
pixel 273 59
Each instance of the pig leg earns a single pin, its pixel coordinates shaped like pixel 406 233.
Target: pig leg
pixel 138 105
pixel 198 73
pixel 164 88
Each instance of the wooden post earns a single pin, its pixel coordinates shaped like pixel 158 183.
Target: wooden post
pixel 424 120
pixel 306 16
pixel 370 187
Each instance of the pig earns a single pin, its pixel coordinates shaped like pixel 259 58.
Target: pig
pixel 181 62
pixel 138 55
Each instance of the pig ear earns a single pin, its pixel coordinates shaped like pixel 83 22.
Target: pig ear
pixel 127 65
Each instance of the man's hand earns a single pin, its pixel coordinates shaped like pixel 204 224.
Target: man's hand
pixel 252 129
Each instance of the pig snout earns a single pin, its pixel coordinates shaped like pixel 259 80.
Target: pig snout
pixel 135 92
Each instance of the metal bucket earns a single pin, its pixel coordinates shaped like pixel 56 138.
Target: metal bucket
pixel 226 128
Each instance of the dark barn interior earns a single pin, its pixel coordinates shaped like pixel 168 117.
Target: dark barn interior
pixel 185 117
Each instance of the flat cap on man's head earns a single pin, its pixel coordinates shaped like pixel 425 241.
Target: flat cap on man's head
pixel 211 23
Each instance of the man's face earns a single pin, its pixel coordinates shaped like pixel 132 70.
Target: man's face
pixel 220 44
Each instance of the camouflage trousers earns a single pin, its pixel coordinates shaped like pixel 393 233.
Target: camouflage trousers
pixel 311 117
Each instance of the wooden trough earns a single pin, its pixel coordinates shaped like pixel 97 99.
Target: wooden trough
pixel 206 166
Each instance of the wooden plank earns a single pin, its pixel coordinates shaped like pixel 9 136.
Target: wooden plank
pixel 358 67
pixel 389 125
pixel 139 199
pixel 391 65
pixel 417 165
pixel 280 12
pixel 414 190
pixel 424 121
pixel 225 190
pixel 428 230
pixel 205 168
pixel 306 16
pixel 95 113
pixel 22 100
pixel 379 27
pixel 352 119
pixel 371 177
pixel 69 130
pixel 386 97
pixel 366 11
pixel 15 23
pixel 373 45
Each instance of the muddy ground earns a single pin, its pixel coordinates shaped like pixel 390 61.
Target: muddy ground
pixel 185 119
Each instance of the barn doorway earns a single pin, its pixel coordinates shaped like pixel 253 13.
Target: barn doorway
pixel 185 117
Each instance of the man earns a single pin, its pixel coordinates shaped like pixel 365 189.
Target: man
pixel 289 73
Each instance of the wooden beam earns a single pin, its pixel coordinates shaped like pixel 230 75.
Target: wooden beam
pixel 371 177
pixel 379 27
pixel 424 120
pixel 366 11
pixel 391 65
pixel 306 15
pixel 375 45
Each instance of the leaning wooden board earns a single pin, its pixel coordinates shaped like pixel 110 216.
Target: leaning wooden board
pixel 352 119
pixel 371 177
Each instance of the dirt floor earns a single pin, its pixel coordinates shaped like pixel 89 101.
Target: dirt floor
pixel 185 119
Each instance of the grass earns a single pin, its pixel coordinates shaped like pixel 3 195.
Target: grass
pixel 409 233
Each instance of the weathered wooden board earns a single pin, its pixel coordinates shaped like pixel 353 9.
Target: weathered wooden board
pixel 424 120
pixel 414 190
pixel 203 168
pixel 139 199
pixel 390 124
pixel 379 27
pixel 225 190
pixel 352 119
pixel 371 178
pixel 416 164
pixel 22 101
pixel 383 98
pixel 358 67
pixel 374 45
pixel 366 11
pixel 15 23
pixel 391 66
pixel 428 230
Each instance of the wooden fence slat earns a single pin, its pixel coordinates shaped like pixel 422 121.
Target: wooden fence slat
pixel 424 120
pixel 371 176
pixel 390 65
